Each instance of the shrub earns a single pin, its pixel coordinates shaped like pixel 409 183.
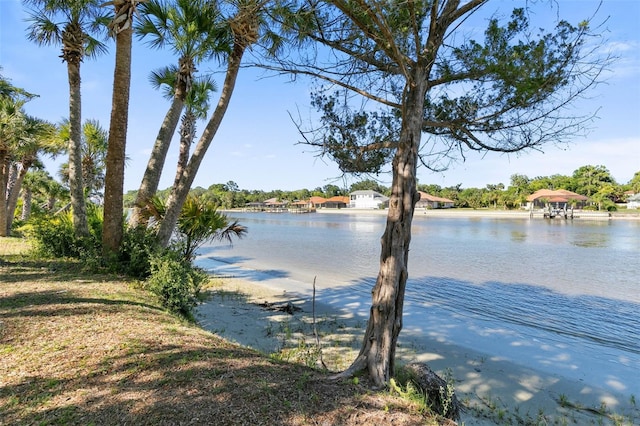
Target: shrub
pixel 55 237
pixel 138 245
pixel 175 281
pixel 200 222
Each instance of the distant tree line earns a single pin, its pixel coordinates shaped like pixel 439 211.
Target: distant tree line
pixel 594 182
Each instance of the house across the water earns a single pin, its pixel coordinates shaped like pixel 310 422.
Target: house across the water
pixel 367 199
pixel 560 199
pixel 428 201
pixel 633 202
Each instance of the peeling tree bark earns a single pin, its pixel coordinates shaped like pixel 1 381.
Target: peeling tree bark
pixel 377 355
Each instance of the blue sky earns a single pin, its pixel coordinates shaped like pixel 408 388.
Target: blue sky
pixel 256 146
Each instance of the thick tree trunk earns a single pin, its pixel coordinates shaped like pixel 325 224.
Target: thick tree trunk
pixel 153 172
pixel 12 176
pixel 76 186
pixel 27 199
pixel 187 133
pixel 179 192
pixel 377 354
pixel 116 150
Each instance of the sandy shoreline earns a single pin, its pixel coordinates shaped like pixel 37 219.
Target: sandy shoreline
pixel 486 213
pixel 467 213
pixel 497 390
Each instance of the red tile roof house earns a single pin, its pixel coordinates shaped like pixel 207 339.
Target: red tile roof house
pixel 428 201
pixel 561 198
pixel 318 201
pixel 337 202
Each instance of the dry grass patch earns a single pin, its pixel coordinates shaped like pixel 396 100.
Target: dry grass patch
pixel 78 348
pixel 13 246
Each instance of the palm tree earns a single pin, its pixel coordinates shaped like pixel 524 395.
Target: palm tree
pixel 197 107
pixel 243 30
pixel 9 91
pixel 189 29
pixel 55 192
pixel 14 128
pixel 11 124
pixel 38 137
pixel 93 157
pixel 199 222
pixel 121 28
pixel 35 183
pixel 71 24
pixel 94 151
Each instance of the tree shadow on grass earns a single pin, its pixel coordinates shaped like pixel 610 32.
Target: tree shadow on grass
pixel 62 302
pixel 32 270
pixel 173 385
pixel 94 352
pixel 185 377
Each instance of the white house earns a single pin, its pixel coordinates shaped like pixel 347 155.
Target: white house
pixel 633 202
pixel 367 199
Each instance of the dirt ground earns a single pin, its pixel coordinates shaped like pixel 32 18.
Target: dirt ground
pixel 79 348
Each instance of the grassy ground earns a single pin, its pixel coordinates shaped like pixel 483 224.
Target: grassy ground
pixel 94 349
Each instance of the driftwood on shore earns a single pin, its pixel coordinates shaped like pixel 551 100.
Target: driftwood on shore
pixel 439 393
pixel 286 307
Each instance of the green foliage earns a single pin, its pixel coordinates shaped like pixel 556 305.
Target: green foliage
pixel 440 400
pixel 175 282
pixel 304 353
pixel 199 222
pixel 369 185
pixel 359 142
pixel 54 236
pixel 471 197
pixel 170 276
pixel 590 179
pixel 138 245
pixel 410 392
pixel 634 183
pixel 129 199
pixel 513 197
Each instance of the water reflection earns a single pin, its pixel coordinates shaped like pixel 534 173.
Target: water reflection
pixel 572 257
pixel 518 236
pixel 595 240
pixel 569 284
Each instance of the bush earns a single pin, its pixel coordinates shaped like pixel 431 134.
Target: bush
pixel 55 237
pixel 175 281
pixel 138 245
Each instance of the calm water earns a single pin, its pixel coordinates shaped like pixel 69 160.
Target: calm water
pixel 567 289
